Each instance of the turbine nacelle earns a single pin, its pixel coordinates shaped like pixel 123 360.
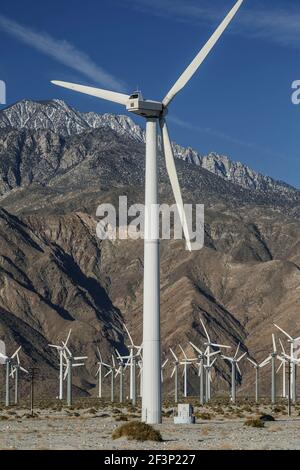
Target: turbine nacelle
pixel 146 108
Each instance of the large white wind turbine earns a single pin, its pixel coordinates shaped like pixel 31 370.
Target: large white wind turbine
pixel 294 342
pixel 61 350
pixel 186 362
pixel 99 372
pixel 210 344
pixel 234 361
pixel 154 112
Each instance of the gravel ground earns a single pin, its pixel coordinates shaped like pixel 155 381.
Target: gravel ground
pixel 84 429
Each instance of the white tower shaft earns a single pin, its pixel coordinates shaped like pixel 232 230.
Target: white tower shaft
pixel 151 399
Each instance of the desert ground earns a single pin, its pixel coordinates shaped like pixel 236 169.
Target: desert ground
pixel 89 425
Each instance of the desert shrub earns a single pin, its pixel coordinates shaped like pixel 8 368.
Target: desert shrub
pixel 3 418
pixel 254 423
pixel 121 417
pixel 137 431
pixel 92 411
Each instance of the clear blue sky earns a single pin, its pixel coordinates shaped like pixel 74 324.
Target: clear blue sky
pixel 239 102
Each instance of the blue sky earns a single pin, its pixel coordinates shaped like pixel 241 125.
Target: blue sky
pixel 239 102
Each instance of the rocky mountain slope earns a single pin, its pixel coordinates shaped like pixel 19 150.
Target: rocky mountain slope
pixel 55 273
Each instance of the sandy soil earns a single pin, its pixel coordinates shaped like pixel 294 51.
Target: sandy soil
pixel 92 429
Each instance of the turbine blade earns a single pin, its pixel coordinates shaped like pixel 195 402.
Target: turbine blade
pixel 252 362
pixel 281 345
pixel 129 336
pixel 238 368
pixel 173 372
pixel 16 352
pixel 281 365
pixel 195 347
pixel 284 332
pixel 195 64
pixel 237 351
pixel 174 355
pixel 185 356
pixel 171 169
pixel 98 92
pixel 241 357
pixel 165 363
pixel 207 335
pixel 68 337
pixel 220 345
pixel 274 343
pixel 99 353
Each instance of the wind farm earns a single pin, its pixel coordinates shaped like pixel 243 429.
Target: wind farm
pixel 149 293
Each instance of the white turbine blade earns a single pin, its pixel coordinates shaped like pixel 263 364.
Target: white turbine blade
pixel 241 357
pixel 174 355
pixel 99 354
pixel 109 372
pixel 227 358
pixel 118 354
pixel 78 365
pixel 165 363
pixel 171 169
pixel 98 92
pixel 185 356
pixel 213 362
pixel 284 332
pixel 80 358
pixel 252 362
pixel 66 371
pixel 195 347
pixel 238 368
pixel 280 366
pixel 237 351
pixel 281 345
pixel 68 337
pixel 220 345
pixel 214 353
pixel 54 346
pixel 265 362
pixel 129 336
pixel 297 339
pixel 16 352
pixel 113 361
pixel 274 343
pixel 207 335
pixel 173 372
pixel 192 68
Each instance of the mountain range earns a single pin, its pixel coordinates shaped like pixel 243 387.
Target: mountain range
pixel 56 166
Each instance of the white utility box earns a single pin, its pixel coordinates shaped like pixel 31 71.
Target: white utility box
pixel 184 415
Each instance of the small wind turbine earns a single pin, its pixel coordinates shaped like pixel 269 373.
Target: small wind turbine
pixel 99 372
pixel 202 358
pixel 272 359
pixel 132 364
pixel 234 361
pixel 7 360
pixel 293 347
pixel 60 350
pixel 256 367
pixel 15 368
pixel 123 363
pixel 112 371
pixel 282 365
pixel 69 358
pixel 154 112
pixel 185 362
pixel 162 369
pixel 208 354
pixel 176 363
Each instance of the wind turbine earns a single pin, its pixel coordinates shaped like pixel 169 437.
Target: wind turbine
pixel 272 359
pixel 69 358
pixel 60 350
pixel 256 367
pixel 7 360
pixel 132 364
pixel 176 363
pixel 15 374
pixel 293 344
pixel 208 354
pixel 154 112
pixel 201 371
pixel 185 362
pixel 234 361
pixel 123 363
pixel 99 372
pixel 162 370
pixel 112 371
pixel 283 362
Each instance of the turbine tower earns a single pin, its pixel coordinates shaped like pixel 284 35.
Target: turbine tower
pixel 7 360
pixel 154 112
pixel 61 350
pixel 175 373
